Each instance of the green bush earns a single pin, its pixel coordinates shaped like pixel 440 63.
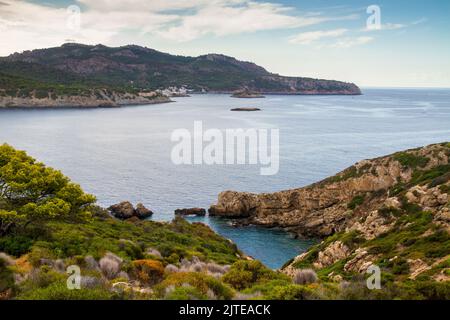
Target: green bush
pixel 185 293
pixel 6 277
pixel 245 274
pixel 59 291
pixel 356 202
pixel 291 292
pixel 202 283
pixel 15 245
pixel 410 160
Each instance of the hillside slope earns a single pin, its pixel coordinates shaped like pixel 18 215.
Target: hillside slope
pixel 143 68
pixel 48 224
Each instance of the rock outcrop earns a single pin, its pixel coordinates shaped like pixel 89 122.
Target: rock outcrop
pixel 95 99
pixel 125 210
pixel 191 212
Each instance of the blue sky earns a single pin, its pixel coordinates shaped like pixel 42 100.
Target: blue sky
pixel 321 39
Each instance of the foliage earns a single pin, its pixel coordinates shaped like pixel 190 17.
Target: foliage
pixel 356 202
pixel 291 292
pixel 410 160
pixel 201 282
pixel 59 291
pixel 244 274
pixel 148 271
pixel 6 276
pixel 306 276
pixel 31 193
pixel 15 245
pixel 185 292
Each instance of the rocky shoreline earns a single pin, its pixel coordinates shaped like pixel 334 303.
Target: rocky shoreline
pixel 95 100
pixel 322 209
pixel 391 213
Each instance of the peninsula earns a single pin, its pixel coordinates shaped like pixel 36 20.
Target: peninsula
pixel 98 76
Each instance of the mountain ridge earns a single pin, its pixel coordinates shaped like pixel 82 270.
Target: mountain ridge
pixel 145 68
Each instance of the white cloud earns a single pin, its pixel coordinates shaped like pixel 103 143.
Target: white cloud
pixel 225 19
pixel 351 42
pixel 310 37
pixel 25 25
pixel 387 26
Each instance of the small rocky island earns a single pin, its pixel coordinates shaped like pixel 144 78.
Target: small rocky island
pixel 246 109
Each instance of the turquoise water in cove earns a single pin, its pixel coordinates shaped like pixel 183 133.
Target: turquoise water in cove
pixel 124 154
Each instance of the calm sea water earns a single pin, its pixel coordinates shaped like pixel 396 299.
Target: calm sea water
pixel 124 154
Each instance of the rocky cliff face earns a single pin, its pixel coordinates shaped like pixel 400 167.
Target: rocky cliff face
pixel 336 203
pixel 393 212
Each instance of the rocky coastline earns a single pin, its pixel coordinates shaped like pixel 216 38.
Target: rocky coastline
pixel 99 99
pixel 391 212
pixel 324 208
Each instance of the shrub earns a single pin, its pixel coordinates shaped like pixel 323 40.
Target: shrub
pixel 215 268
pixel 43 277
pixel 15 245
pixel 6 277
pixel 244 274
pixel 131 249
pixel 200 281
pixel 153 252
pixel 356 202
pixel 185 292
pixel 35 194
pixel 148 271
pixel 88 282
pixel 265 288
pixel 91 263
pixel 38 254
pixel 291 292
pixel 410 160
pixel 59 291
pixel 110 265
pixel 305 276
pixel 170 268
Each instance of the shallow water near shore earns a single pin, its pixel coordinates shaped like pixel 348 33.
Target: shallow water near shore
pixel 124 154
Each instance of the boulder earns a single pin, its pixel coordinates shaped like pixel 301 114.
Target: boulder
pixel 142 212
pixel 333 253
pixel 191 212
pixel 126 211
pixel 234 205
pixel 123 210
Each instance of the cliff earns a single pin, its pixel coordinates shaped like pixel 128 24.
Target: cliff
pixel 392 211
pixel 322 209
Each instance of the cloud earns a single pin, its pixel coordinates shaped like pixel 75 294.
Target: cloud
pixel 226 19
pixel 396 26
pixel 27 25
pixel 351 42
pixel 386 26
pixel 310 37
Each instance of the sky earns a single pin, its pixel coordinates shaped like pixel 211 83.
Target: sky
pixel 377 43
